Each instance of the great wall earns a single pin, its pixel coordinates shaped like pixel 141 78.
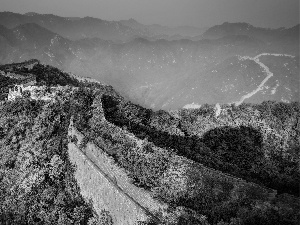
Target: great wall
pixel 112 189
pixel 109 187
pixel 25 82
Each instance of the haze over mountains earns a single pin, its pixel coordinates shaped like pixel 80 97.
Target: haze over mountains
pixel 77 28
pixel 83 139
pixel 161 67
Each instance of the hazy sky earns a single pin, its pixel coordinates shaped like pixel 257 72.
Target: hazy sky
pixel 264 13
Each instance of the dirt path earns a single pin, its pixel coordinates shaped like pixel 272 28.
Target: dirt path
pixel 265 69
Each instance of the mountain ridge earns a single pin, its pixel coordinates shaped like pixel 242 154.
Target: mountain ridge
pixel 247 29
pixel 162 73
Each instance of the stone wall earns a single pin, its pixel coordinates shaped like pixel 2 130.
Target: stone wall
pixel 109 187
pixel 182 178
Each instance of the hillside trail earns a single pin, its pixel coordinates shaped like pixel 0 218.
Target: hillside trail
pixel 265 69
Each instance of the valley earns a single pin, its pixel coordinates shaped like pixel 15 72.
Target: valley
pixel 162 73
pixel 269 74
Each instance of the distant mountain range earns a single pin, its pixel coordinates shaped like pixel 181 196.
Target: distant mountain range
pixel 156 31
pixel 77 28
pixel 187 66
pixel 272 37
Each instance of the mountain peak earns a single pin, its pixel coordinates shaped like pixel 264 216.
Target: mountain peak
pixel 132 20
pixel 239 24
pixel 32 27
pixel 31 14
pixel 92 19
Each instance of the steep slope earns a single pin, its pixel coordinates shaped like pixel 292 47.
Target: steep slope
pixel 30 40
pixel 35 36
pixel 7 41
pixel 37 177
pixel 189 133
pixel 8 35
pixel 37 181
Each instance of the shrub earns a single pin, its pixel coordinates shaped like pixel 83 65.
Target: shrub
pixel 74 139
pixel 26 94
pixel 84 142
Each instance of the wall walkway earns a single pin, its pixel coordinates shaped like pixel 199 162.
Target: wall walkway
pixel 108 186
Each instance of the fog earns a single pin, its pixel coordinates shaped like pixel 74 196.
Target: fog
pixel 200 13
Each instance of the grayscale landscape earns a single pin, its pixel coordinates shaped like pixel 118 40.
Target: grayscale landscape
pixel 149 112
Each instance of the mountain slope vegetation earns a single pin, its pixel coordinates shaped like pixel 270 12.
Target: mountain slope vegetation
pixel 37 178
pixel 224 169
pixel 147 144
pixel 37 183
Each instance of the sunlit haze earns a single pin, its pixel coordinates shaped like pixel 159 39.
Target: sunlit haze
pixel 200 13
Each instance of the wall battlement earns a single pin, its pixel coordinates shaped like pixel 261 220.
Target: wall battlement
pixel 18 90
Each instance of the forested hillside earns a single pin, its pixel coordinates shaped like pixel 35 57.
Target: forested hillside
pixel 259 143
pixel 36 177
pixel 221 168
pixel 37 183
pixel 242 142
